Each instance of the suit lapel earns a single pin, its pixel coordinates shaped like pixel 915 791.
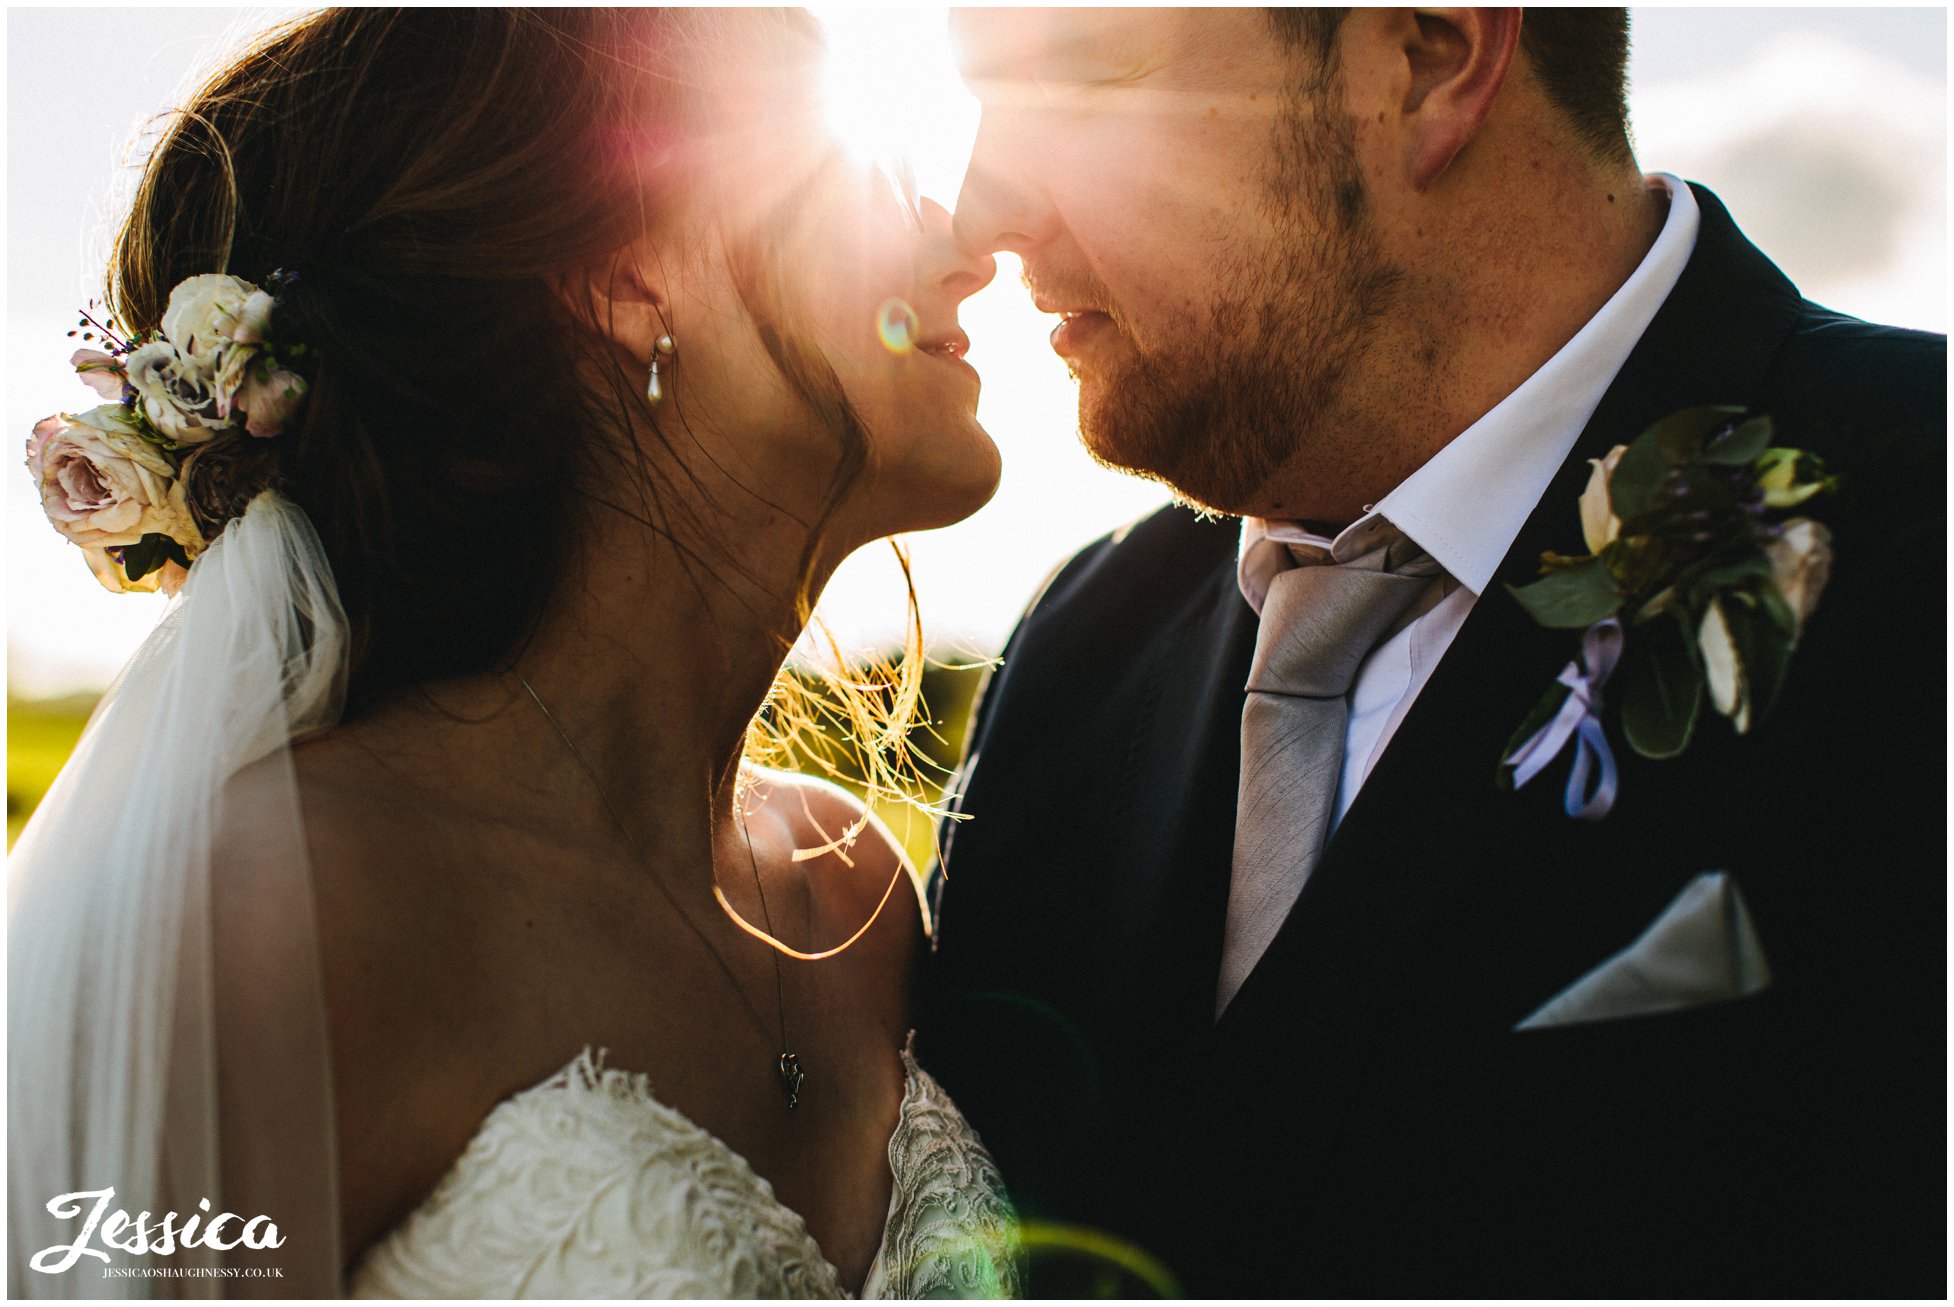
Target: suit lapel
pixel 1174 835
pixel 1429 824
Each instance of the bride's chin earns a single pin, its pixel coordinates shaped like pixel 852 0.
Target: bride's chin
pixel 969 482
pixel 943 493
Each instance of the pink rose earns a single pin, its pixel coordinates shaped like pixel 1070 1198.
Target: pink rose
pixel 269 397
pixel 103 485
pixel 102 372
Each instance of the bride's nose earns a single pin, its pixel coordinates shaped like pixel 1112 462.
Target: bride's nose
pixel 943 265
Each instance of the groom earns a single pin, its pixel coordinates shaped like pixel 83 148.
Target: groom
pixel 1250 974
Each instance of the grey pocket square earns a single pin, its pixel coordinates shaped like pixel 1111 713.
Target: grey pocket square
pixel 1702 949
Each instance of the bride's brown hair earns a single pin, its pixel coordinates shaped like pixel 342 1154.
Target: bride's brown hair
pixel 440 183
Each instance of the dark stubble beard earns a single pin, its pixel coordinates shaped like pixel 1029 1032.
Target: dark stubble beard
pixel 1232 404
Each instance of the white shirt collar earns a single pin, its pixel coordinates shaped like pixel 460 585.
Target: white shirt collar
pixel 1468 502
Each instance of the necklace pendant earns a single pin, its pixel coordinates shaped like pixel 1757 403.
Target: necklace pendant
pixel 791 1077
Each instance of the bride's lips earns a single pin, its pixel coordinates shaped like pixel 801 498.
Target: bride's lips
pixel 955 345
pixel 950 349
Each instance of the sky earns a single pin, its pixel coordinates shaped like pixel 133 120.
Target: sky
pixel 1823 130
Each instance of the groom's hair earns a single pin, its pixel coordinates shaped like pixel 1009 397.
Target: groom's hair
pixel 1580 55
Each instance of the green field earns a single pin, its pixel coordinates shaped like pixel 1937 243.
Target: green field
pixel 39 736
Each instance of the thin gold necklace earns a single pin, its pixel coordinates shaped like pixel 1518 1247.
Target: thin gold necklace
pixel 788 1068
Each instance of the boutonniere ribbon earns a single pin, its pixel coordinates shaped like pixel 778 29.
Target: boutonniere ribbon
pixel 1579 719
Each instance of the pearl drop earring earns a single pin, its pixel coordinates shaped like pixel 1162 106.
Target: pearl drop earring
pixel 664 347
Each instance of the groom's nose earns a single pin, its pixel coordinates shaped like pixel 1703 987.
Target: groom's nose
pixel 1003 205
pixel 948 262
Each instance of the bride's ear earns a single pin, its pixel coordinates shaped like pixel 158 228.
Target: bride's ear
pixel 622 299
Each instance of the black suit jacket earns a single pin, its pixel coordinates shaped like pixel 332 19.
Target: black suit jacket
pixel 1364 1120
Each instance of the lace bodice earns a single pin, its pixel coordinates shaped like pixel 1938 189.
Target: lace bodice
pixel 586 1186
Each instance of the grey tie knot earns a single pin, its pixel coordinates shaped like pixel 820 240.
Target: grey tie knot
pixel 1319 622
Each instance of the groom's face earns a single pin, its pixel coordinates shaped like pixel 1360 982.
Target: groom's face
pixel 1182 186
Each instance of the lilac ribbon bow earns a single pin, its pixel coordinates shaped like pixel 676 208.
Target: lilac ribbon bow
pixel 1579 719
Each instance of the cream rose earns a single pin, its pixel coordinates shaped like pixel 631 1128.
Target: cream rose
pixel 103 486
pixel 174 394
pixel 208 314
pixel 1599 525
pixel 1801 564
pixel 254 323
pixel 234 368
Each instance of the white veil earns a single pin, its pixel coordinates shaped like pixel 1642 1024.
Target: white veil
pixel 166 1024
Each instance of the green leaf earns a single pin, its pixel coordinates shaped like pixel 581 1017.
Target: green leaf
pixel 1778 609
pixel 1543 712
pixel 1662 689
pixel 1635 478
pixel 1672 442
pixel 1661 603
pixel 149 554
pixel 139 560
pixel 1682 435
pixel 1763 650
pixel 1743 445
pixel 1573 599
pixel 1702 581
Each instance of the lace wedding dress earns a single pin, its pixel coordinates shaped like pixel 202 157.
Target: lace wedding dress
pixel 586 1186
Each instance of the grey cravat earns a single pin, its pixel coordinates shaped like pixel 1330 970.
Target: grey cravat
pixel 1318 624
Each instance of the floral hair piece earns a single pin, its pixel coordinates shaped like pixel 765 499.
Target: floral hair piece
pixel 111 479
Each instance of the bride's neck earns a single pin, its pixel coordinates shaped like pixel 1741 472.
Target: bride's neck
pixel 652 660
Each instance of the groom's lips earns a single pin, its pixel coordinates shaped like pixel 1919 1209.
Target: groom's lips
pixel 1075 328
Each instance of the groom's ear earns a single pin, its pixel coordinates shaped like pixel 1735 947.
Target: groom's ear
pixel 1453 63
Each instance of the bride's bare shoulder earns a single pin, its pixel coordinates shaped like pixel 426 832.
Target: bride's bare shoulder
pixel 850 856
pixel 388 855
pixel 395 959
pixel 327 790
pixel 346 784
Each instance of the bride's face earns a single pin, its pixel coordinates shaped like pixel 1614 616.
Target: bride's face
pixel 813 260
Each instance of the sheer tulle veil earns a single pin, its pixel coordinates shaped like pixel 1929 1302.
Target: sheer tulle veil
pixel 166 1031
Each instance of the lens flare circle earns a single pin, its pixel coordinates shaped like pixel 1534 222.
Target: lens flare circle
pixel 1083 1244
pixel 897 325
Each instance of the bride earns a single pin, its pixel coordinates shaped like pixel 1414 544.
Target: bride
pixel 499 388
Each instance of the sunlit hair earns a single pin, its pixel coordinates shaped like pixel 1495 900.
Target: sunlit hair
pixel 448 185
pixel 854 718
